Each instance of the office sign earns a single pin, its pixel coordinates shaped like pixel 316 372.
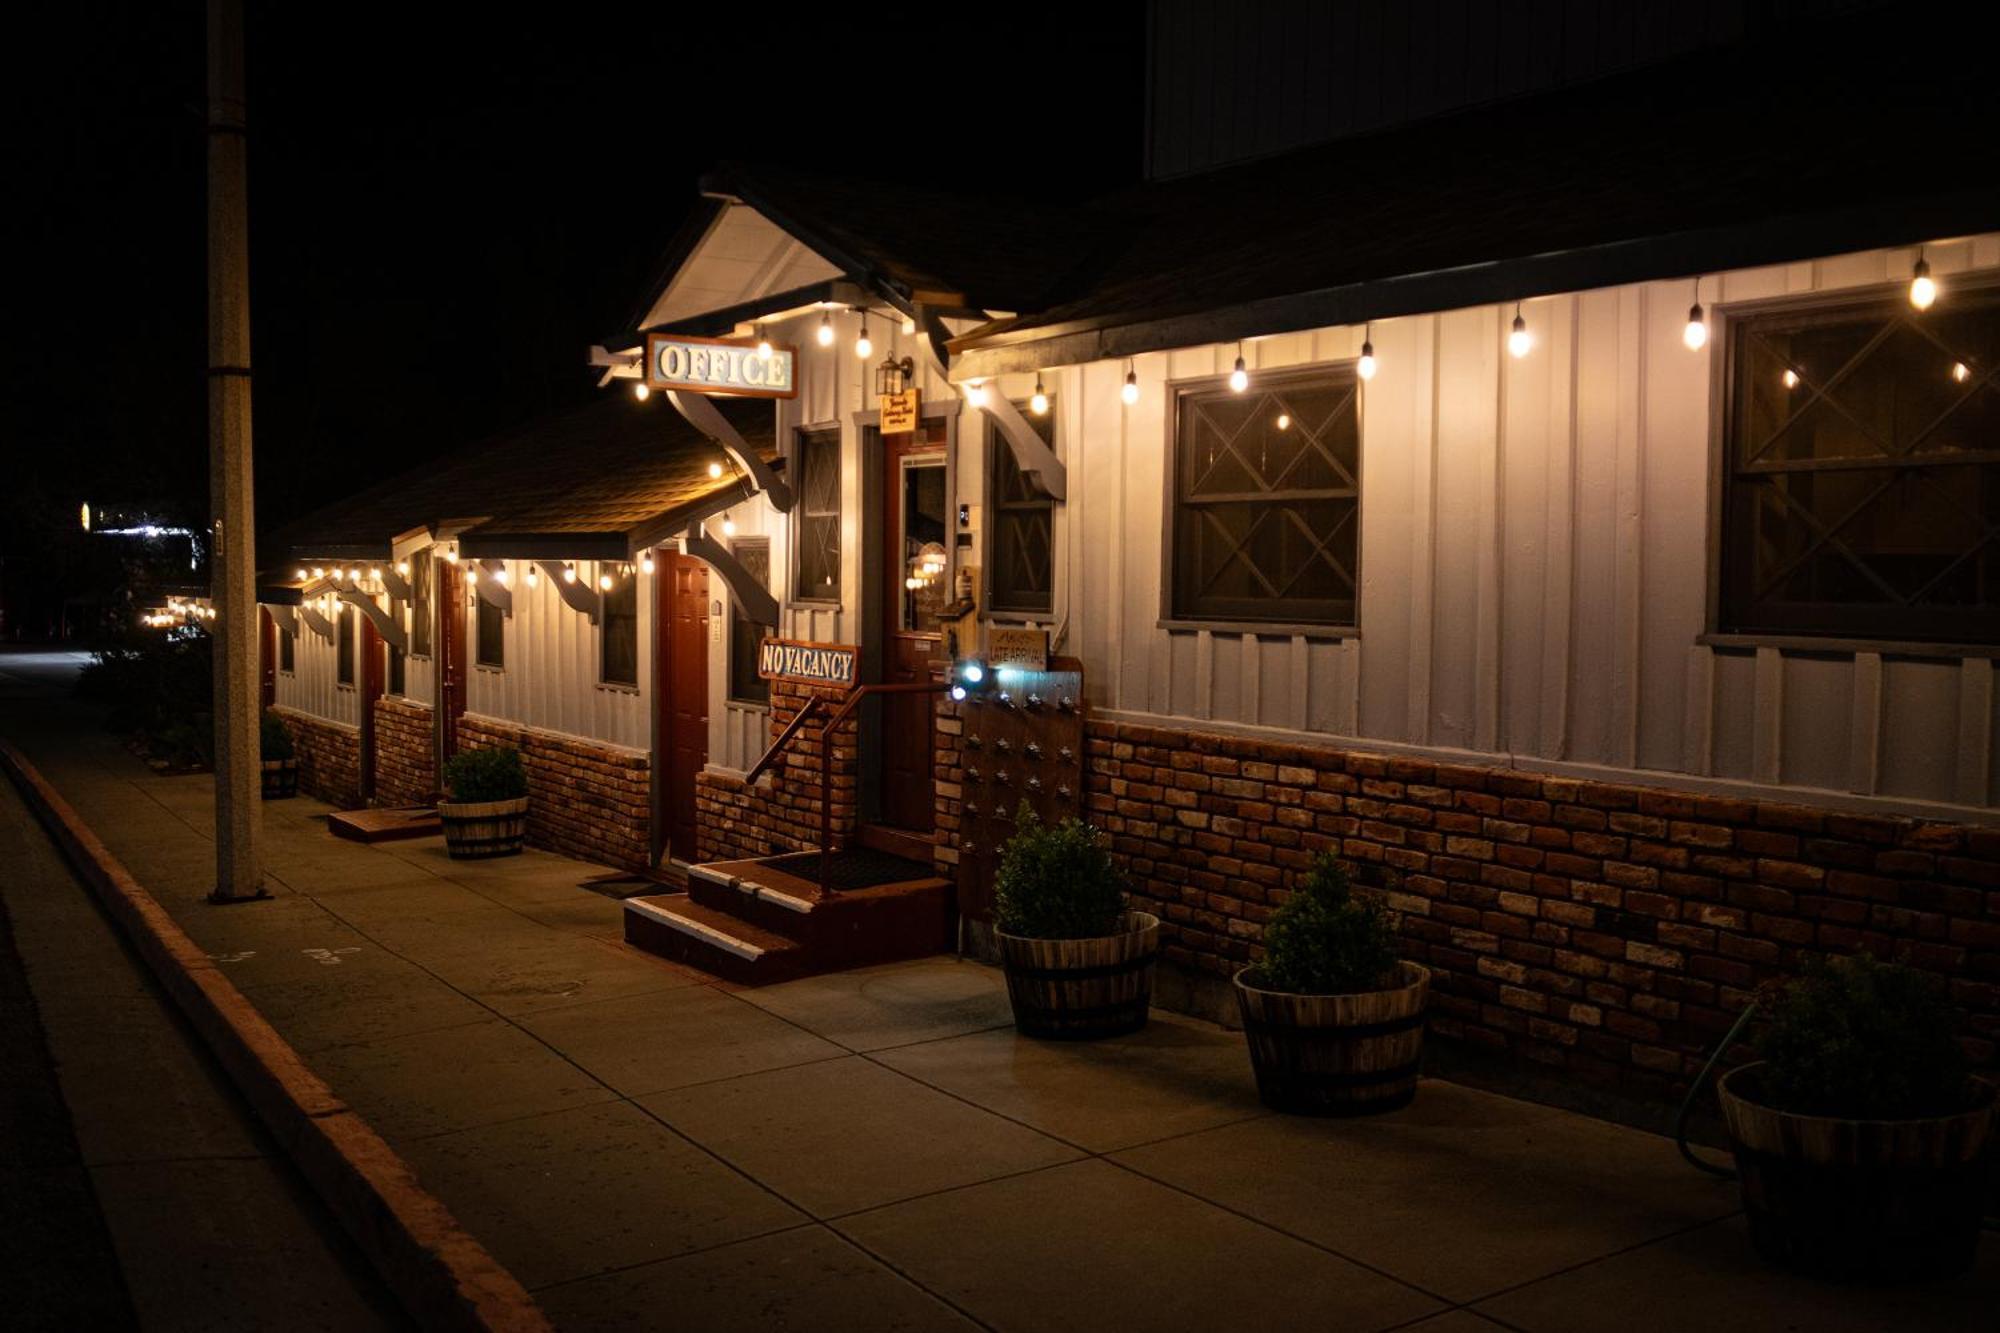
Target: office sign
pixel 728 367
pixel 809 663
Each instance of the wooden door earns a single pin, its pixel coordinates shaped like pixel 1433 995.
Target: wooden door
pixel 374 672
pixel 267 658
pixel 680 668
pixel 448 593
pixel 916 525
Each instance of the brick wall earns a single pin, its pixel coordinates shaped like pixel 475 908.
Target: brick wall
pixel 1612 931
pixel 405 753
pixel 329 757
pixel 584 800
pixel 782 814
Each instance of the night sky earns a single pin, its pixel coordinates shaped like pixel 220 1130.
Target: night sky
pixel 446 211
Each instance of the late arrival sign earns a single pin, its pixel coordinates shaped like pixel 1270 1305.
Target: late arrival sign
pixel 812 663
pixel 730 367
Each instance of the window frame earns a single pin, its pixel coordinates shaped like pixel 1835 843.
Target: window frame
pixel 288 650
pixel 1724 628
pixel 604 621
pixel 997 451
pixel 1174 618
pixel 480 607
pixel 797 468
pixel 736 617
pixel 346 630
pixel 423 579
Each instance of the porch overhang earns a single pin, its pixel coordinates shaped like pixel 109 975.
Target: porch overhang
pixel 544 546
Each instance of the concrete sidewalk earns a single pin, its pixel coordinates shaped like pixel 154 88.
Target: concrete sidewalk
pixel 877 1150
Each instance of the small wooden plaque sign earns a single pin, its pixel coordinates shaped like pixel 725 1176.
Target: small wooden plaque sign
pixel 900 411
pixel 1011 645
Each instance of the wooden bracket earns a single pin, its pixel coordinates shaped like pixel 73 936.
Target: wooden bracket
pixel 398 586
pixel 577 596
pixel 751 598
pixel 388 626
pixel 284 617
pixel 316 622
pixel 703 416
pixel 491 590
pixel 1031 454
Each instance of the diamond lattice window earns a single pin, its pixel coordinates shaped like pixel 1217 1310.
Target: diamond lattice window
pixel 1020 561
pixel 1266 500
pixel 816 562
pixel 1863 489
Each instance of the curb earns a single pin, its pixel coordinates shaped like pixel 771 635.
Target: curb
pixel 440 1273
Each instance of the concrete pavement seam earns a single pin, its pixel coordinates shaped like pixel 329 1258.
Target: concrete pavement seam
pixel 443 1275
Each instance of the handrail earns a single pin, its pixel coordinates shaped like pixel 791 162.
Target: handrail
pixel 799 719
pixel 840 715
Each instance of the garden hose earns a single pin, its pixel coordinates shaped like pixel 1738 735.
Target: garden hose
pixel 1694 1090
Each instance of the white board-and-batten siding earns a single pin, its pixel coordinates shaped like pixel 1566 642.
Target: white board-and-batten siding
pixel 1534 552
pixel 552 676
pixel 312 686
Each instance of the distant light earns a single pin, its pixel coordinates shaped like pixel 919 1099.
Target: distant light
pixel 1923 288
pixel 1695 335
pixel 825 334
pixel 714 471
pixel 1130 393
pixel 86 516
pixel 641 391
pixel 1519 340
pixel 1239 378
pixel 1791 378
pixel 1961 372
pixel 1039 403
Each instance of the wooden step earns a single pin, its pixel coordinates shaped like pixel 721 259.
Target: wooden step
pixel 674 926
pixel 383 824
pixel 919 847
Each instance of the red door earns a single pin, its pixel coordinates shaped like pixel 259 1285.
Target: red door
pixel 267 658
pixel 916 523
pixel 680 668
pixel 374 674
pixel 449 594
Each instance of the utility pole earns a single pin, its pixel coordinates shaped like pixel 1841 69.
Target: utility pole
pixel 233 547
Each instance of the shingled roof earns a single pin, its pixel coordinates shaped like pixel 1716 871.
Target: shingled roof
pixel 584 479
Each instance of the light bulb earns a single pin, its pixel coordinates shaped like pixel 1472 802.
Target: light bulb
pixel 1365 367
pixel 1791 378
pixel 975 393
pixel 728 526
pixel 640 391
pixel 534 578
pixel 471 575
pixel 302 576
pixel 403 568
pixel 1961 372
pixel 763 343
pixel 825 334
pixel 1039 404
pixel 374 573
pixel 1239 378
pixel 1519 340
pixel 714 471
pixel 1923 290
pixel 451 556
pixel 1284 421
pixel 319 571
pixel 646 563
pixel 500 576
pixel 1130 393
pixel 604 583
pixel 354 576
pixel 909 325
pixel 1696 332
pixel 958 693
pixel 864 347
pixel 569 573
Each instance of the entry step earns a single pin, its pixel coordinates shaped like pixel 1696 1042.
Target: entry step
pixel 385 824
pixel 674 926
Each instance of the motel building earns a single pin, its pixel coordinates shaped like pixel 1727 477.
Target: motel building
pixel 1572 498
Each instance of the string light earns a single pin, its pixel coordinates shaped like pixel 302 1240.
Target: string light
pixel 641 391
pixel 500 575
pixel 1519 340
pixel 1239 378
pixel 825 334
pixel 403 568
pixel 534 578
pixel 909 325
pixel 864 346
pixel 471 575
pixel 1039 404
pixel 604 583
pixel 451 555
pixel 1365 367
pixel 714 471
pixel 1130 393
pixel 1790 377
pixel 569 573
pixel 646 562
pixel 1923 288
pixel 354 576
pixel 302 576
pixel 728 526
pixel 763 343
pixel 1695 335
pixel 374 573
pixel 1960 372
pixel 975 393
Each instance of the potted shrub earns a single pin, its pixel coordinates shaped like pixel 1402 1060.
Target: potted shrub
pixel 1334 1019
pixel 1078 963
pixel 1859 1131
pixel 281 763
pixel 488 809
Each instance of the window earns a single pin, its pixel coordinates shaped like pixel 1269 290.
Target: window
pixel 421 568
pixel 395 685
pixel 1266 500
pixel 1862 492
pixel 816 520
pixel 1021 527
pixel 492 636
pixel 348 629
pixel 618 632
pixel 288 649
pixel 745 685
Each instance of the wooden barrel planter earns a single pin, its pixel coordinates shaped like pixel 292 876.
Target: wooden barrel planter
pixel 477 829
pixel 1335 1054
pixel 281 778
pixel 1075 990
pixel 1868 1200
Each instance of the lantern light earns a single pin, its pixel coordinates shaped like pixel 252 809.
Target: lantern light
pixel 1130 393
pixel 825 334
pixel 1519 340
pixel 641 391
pixel 1923 288
pixel 645 562
pixel 1039 404
pixel 1365 367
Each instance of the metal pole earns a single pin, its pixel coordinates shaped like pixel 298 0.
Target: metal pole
pixel 232 552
